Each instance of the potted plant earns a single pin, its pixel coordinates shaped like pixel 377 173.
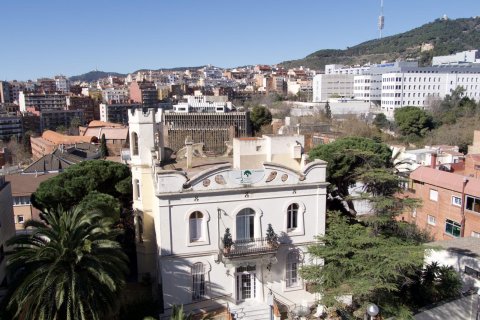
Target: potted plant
pixel 227 241
pixel 271 237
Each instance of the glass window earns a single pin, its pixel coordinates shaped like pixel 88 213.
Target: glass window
pixel 292 216
pixel 134 144
pixel 431 220
pixel 198 281
pixel 433 195
pixel 245 224
pixel 456 201
pixel 196 219
pixel 20 219
pixel 452 227
pixel 473 204
pixel 293 261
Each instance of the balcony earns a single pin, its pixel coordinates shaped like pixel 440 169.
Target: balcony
pixel 250 247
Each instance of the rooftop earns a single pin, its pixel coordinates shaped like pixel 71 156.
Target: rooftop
pixel 26 184
pixel 446 180
pixel 469 246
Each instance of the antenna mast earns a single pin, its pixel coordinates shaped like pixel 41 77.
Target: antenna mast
pixel 381 19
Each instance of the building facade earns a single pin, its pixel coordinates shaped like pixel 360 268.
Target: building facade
pixel 7 227
pixel 42 101
pixel 449 201
pixel 182 217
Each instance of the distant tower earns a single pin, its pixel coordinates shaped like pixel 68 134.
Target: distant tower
pixel 381 19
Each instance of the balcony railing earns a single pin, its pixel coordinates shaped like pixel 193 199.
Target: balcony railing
pixel 247 247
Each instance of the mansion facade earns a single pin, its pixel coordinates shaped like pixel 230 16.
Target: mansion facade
pixel 228 231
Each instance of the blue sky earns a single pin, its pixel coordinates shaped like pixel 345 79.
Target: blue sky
pixel 49 37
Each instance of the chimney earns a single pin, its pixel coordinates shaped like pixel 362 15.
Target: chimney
pixel 189 155
pixel 433 163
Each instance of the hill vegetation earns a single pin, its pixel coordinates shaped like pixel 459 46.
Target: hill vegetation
pixel 446 37
pixel 94 76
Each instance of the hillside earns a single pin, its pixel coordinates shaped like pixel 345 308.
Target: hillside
pixel 447 36
pixel 94 76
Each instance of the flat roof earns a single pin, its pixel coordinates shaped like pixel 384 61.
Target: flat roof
pixel 469 246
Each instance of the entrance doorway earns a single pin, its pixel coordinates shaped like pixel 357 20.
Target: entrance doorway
pixel 246 284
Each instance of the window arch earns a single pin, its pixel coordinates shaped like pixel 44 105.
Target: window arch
pixel 245 224
pixel 293 263
pixel 292 217
pixel 196 226
pixel 198 281
pixel 134 144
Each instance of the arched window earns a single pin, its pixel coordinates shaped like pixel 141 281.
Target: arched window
pixel 198 281
pixel 136 189
pixel 292 217
pixel 293 264
pixel 245 224
pixel 195 222
pixel 134 144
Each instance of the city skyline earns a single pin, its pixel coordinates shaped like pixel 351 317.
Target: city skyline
pixel 52 37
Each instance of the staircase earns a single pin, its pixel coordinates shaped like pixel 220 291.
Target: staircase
pixel 251 310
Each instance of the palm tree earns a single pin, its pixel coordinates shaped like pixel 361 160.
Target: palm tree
pixel 68 267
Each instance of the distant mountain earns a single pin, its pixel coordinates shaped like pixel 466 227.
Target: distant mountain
pixel 446 37
pixel 95 75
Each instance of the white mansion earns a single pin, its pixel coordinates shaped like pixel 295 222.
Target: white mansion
pixel 183 210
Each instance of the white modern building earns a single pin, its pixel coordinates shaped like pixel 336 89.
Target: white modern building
pixel 326 86
pixel 200 103
pixel 398 84
pixel 469 56
pixel 183 211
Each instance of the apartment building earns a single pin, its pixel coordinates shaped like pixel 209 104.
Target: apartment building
pixel 62 84
pixel 144 93
pixel 89 106
pixel 116 112
pixel 10 125
pixel 115 95
pixel 23 185
pixel 5 92
pixel 449 201
pixel 42 101
pixel 182 217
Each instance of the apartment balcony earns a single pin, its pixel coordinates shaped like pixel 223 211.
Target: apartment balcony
pixel 250 247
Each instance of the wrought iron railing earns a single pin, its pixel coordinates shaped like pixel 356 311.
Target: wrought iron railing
pixel 253 246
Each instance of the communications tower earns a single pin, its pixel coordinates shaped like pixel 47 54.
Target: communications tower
pixel 381 19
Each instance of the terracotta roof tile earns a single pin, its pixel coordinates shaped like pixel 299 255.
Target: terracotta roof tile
pixel 446 180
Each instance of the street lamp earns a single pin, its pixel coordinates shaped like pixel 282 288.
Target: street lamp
pixel 372 310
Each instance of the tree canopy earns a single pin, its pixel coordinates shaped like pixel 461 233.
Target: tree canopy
pixel 361 263
pixel 413 121
pixel 260 116
pixel 69 267
pixel 98 180
pixel 349 159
